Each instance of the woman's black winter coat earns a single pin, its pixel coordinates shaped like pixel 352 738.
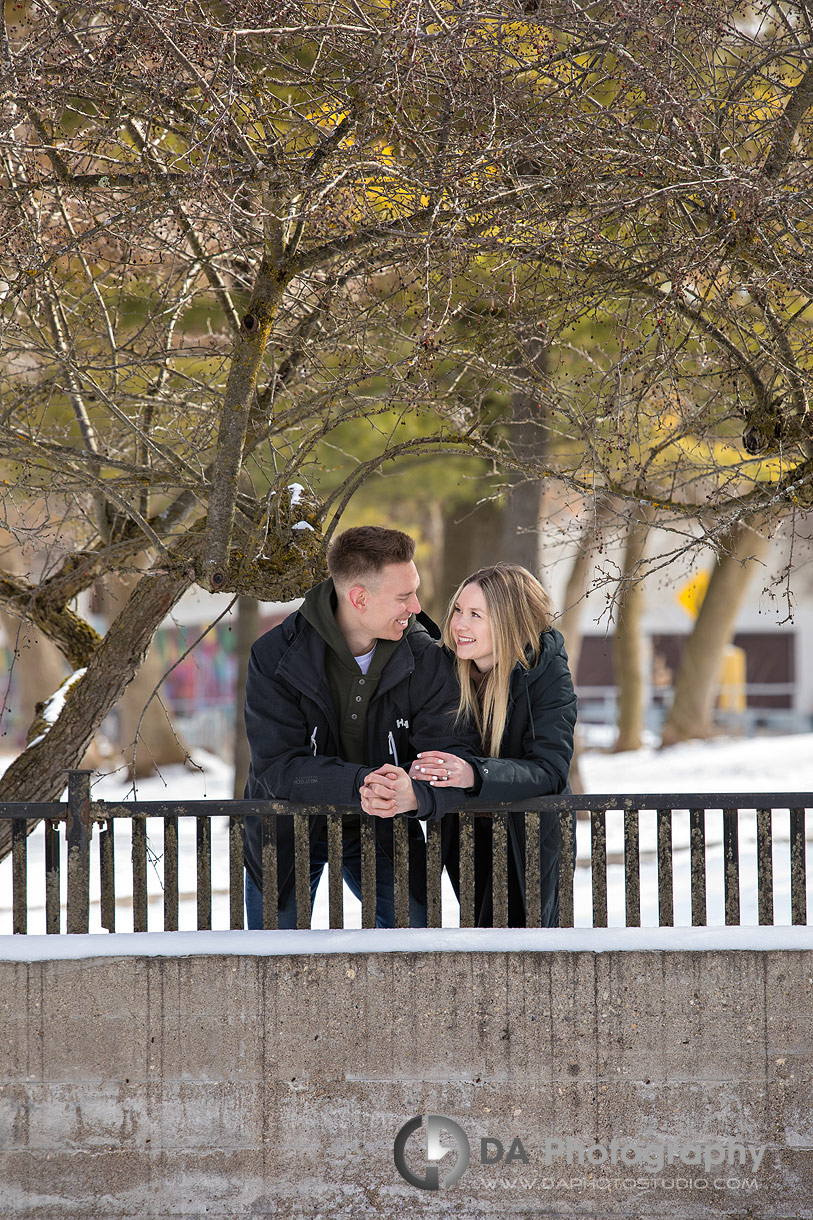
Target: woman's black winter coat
pixel 534 760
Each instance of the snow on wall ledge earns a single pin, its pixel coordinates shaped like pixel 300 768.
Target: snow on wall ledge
pixel 414 940
pixel 192 1075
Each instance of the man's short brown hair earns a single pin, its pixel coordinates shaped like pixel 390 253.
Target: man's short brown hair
pixel 361 553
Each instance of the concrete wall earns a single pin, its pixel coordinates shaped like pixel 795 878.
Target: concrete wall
pixel 228 1086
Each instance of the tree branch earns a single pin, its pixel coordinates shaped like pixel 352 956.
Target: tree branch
pixel 799 103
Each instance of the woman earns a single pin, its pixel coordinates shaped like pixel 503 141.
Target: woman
pixel 515 686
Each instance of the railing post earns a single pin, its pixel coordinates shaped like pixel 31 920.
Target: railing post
pixel 798 871
pixel 666 900
pixel 533 884
pixel 401 879
pixel 302 870
pixel 632 868
pixel 78 833
pixel 567 866
pixel 765 866
pixel 52 911
pixel 466 874
pixel 598 865
pixel 270 879
pixel 170 874
pixel 731 864
pixel 499 869
pixel 335 882
pixel 19 875
pixel 433 871
pixel 138 856
pixel 697 859
pixel 107 874
pixel 236 895
pixel 368 871
pixel 204 862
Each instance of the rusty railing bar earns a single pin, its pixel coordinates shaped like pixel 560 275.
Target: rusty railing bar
pixel 78 832
pixel 697 859
pixel 731 865
pixel 598 866
pixel 533 883
pixel 335 876
pixel 499 869
pixel 236 895
pixel 203 843
pixel 52 882
pixel 302 869
pixel 593 802
pixel 466 880
pixel 567 866
pixel 107 874
pixel 433 871
pixel 400 836
pixel 632 868
pixel 764 867
pixel 798 868
pixel 367 871
pixel 170 874
pixel 666 901
pixel 19 876
pixel 270 879
pixel 139 857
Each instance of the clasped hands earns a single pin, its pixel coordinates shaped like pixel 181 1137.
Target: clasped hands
pixel 389 790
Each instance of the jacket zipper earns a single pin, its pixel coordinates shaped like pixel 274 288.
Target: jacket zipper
pixel 313 740
pixel 393 750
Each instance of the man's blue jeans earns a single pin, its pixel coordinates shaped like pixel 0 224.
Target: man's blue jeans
pixel 351 869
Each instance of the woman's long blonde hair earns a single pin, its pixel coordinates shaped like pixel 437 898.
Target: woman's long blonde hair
pixel 519 610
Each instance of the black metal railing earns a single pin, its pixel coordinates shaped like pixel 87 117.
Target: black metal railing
pixel 80 817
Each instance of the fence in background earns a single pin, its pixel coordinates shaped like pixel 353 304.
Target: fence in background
pixel 79 817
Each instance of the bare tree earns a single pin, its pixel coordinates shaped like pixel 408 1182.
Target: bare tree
pixel 224 236
pixel 226 233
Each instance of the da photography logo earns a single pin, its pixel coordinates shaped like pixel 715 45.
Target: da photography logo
pixel 435 1152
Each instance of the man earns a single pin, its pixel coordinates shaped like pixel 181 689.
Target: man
pixel 348 685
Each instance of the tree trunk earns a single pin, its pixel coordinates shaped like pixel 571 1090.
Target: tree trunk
pixel 629 658
pixel 698 676
pixel 434 594
pixel 471 540
pixel 247 355
pixel 39 773
pixel 248 628
pixel 147 737
pixel 569 621
pixel 520 541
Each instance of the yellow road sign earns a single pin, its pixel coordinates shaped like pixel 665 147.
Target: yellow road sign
pixel 692 594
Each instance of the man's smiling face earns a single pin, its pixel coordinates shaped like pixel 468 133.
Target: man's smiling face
pixel 390 599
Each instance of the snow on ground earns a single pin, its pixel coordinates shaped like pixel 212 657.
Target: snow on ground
pixel 755 764
pixel 767 764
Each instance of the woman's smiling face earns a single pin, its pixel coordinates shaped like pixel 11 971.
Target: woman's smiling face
pixel 471 628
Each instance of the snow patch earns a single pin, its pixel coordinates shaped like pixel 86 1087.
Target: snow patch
pixel 53 707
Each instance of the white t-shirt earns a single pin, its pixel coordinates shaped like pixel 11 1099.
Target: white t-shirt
pixel 363 662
